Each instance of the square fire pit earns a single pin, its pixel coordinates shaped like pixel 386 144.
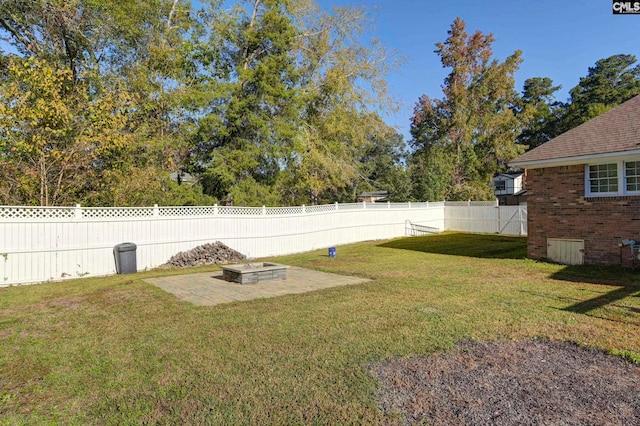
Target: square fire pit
pixel 252 273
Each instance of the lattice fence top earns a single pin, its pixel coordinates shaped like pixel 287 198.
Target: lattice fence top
pixel 427 204
pixel 187 211
pixel 377 206
pixel 240 211
pixel 37 212
pixel 321 208
pixel 114 213
pixel 400 205
pixel 471 203
pixel 274 211
pixel 350 206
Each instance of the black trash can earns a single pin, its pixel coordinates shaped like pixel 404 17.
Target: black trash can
pixel 125 255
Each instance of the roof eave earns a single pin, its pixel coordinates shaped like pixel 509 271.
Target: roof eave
pixel 571 161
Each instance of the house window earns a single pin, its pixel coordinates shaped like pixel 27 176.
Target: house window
pixel 603 178
pixel 501 185
pixel 612 179
pixel 632 176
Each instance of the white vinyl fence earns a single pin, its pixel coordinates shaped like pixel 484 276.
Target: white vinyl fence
pixel 485 217
pixel 52 243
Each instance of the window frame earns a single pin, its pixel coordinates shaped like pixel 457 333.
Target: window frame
pixel 621 177
pixel 637 191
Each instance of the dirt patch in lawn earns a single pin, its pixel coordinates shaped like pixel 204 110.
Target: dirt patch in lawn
pixel 533 382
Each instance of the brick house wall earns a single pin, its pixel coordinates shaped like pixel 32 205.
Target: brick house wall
pixel 557 208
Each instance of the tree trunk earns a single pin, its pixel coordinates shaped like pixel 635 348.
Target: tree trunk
pixel 252 24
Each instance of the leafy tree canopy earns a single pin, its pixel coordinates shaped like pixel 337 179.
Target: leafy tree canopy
pixel 469 134
pixel 610 82
pixel 267 102
pixel 539 111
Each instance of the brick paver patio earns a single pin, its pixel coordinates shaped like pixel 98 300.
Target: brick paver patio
pixel 208 288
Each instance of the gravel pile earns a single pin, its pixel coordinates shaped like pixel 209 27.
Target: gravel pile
pixel 533 382
pixel 207 254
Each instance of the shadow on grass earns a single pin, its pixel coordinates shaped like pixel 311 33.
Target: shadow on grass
pixel 485 246
pixel 626 282
pixel 610 297
pixel 598 274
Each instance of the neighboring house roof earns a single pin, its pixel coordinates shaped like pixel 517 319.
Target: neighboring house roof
pixel 375 194
pixel 510 175
pixel 615 132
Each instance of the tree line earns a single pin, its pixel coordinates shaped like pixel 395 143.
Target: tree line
pixel 274 102
pixel 263 102
pixel 462 140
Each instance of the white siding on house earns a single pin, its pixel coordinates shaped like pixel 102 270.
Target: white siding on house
pixel 511 184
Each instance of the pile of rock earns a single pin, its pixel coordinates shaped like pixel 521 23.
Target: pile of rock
pixel 207 254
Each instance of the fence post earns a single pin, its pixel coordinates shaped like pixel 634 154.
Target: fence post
pixel 304 209
pixel 264 211
pixel 445 216
pixel 409 204
pixel 364 204
pixel 388 204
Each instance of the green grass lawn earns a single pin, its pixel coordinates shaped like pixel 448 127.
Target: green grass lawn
pixel 116 350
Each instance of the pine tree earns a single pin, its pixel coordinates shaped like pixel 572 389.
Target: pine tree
pixel 471 131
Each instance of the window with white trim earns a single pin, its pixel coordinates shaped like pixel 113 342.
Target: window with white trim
pixel 612 179
pixel 603 178
pixel 501 185
pixel 632 176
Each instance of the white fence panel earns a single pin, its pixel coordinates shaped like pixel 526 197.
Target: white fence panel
pixel 512 220
pixel 484 218
pixel 479 219
pixel 42 243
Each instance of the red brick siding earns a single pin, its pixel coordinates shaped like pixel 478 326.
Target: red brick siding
pixel 557 208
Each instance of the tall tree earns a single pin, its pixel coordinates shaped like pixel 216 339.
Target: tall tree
pixel 610 82
pixel 539 110
pixel 430 170
pixel 271 101
pixel 384 165
pixel 343 85
pixel 51 30
pixel 94 54
pixel 52 138
pixel 474 125
pixel 293 115
pixel 255 115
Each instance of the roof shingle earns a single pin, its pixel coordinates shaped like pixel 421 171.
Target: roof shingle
pixel 615 131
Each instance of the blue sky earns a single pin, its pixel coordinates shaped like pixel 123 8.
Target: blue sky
pixel 558 39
